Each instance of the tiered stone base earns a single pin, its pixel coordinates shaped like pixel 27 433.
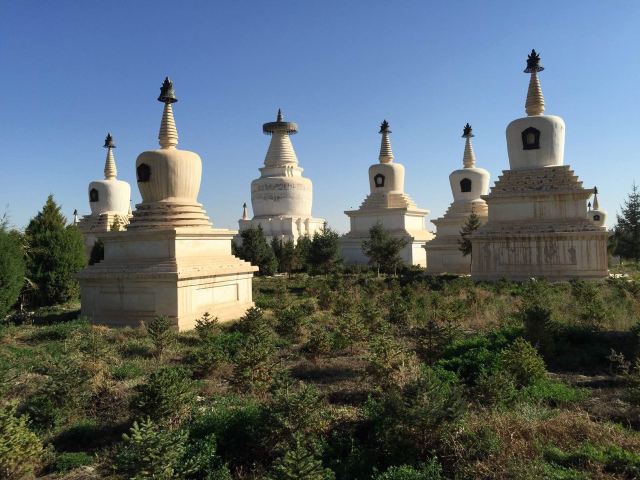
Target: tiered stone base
pixel 283 227
pixel 93 225
pixel 180 273
pixel 169 214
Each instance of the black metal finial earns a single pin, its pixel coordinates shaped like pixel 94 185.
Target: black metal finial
pixel 533 62
pixel 595 190
pixel 384 127
pixel 167 94
pixel 466 131
pixel 244 205
pixel 279 118
pixel 108 142
pixel 589 205
pixel 279 125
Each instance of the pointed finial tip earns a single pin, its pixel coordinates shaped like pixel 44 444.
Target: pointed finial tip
pixel 467 131
pixel 108 142
pixel 244 205
pixel 533 62
pixel 384 127
pixel 595 190
pixel 167 93
pixel 279 117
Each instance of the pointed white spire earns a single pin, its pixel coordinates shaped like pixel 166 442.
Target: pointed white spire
pixel 535 100
pixel 596 204
pixel 168 135
pixel 386 154
pixel 245 213
pixel 75 217
pixel 469 157
pixel 110 170
pixel 280 150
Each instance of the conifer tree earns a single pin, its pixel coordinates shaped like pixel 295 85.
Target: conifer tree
pixel 627 230
pixel 302 249
pixel 12 268
pixel 56 255
pixel 470 226
pixel 383 250
pixel 256 250
pixel 324 251
pixel 301 463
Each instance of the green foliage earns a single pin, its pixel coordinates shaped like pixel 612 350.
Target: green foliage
pixel 160 331
pixel 286 255
pixel 97 252
pixel 67 461
pixel 351 330
pixel 612 458
pixel 290 322
pixel 320 342
pixel 255 250
pixel 431 470
pixel 207 327
pixel 21 450
pixel 301 463
pixel 470 226
pixel 389 362
pixel 324 251
pixel 523 363
pixel 383 250
pixel 627 229
pixel 12 270
pixel 55 255
pixel 302 249
pixel 150 451
pixel 167 395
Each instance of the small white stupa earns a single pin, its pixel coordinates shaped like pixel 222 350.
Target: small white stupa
pixel 281 198
pixel 109 200
pixel 390 206
pixel 170 261
pixel 595 213
pixel 468 184
pixel 538 224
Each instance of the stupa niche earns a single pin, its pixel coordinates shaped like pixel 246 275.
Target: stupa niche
pixel 537 224
pixel 390 206
pixel 109 201
pixel 281 198
pixel 468 184
pixel 170 261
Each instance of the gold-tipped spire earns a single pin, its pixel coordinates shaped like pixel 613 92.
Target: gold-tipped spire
pixel 110 170
pixel 535 100
pixel 386 154
pixel 469 157
pixel 168 135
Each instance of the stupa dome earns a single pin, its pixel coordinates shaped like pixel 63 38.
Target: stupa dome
pixel 109 195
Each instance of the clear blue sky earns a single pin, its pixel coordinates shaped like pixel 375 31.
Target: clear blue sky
pixel 71 71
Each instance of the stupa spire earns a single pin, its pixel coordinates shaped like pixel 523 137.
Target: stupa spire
pixel 110 170
pixel 469 157
pixel 386 154
pixel 535 100
pixel 596 204
pixel 168 135
pixel 280 148
pixel 245 213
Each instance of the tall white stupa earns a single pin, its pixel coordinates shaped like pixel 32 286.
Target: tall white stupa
pixel 109 200
pixel 170 261
pixel 538 224
pixel 468 184
pixel 281 198
pixel 390 206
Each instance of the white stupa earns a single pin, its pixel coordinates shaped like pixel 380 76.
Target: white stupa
pixel 170 261
pixel 390 206
pixel 109 200
pixel 595 213
pixel 468 184
pixel 538 224
pixel 281 198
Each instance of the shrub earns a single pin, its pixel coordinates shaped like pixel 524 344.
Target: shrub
pixel 168 394
pixel 161 334
pixel 290 322
pixel 21 450
pixel 324 251
pixel 351 330
pixel 126 370
pixel 255 250
pixel 389 362
pixel 523 362
pixel 429 471
pixel 97 252
pixel 150 451
pixel 319 342
pixel 301 463
pixel 55 255
pixel 202 462
pixel 67 461
pixel 12 270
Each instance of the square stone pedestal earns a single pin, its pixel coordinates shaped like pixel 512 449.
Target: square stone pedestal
pixel 180 273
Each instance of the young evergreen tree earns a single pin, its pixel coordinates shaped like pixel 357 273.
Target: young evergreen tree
pixel 302 250
pixel 256 250
pixel 324 251
pixel 12 269
pixel 56 254
pixel 301 463
pixel 627 230
pixel 383 250
pixel 470 226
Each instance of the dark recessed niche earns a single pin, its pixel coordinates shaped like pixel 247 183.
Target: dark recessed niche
pixel 530 139
pixel 143 172
pixel 465 185
pixel 93 195
pixel 378 180
pixel 596 218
